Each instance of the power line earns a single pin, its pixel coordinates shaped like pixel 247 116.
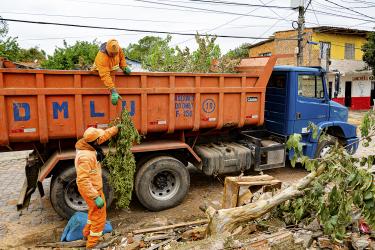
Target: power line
pixel 182 8
pixel 369 4
pixel 338 15
pixel 307 5
pixel 72 37
pixel 121 19
pixel 221 25
pixel 128 5
pixel 349 9
pixel 334 9
pixel 209 10
pixel 132 30
pixel 316 18
pixel 239 4
pixel 192 9
pixel 91 17
pixel 273 25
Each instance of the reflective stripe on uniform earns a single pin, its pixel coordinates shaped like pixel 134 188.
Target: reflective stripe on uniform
pixel 96 234
pixel 93 171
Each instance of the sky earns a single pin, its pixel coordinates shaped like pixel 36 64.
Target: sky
pixel 220 17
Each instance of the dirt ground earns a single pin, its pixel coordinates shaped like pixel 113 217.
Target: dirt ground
pixel 40 223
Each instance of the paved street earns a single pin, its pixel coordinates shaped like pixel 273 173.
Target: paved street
pixel 40 222
pixel 39 212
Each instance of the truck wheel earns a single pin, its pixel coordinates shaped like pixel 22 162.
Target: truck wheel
pixel 64 194
pixel 323 148
pixel 161 183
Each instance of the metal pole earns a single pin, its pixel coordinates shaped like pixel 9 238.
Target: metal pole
pixel 301 27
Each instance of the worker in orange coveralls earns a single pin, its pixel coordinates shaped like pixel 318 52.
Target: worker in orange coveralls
pixel 89 180
pixel 110 58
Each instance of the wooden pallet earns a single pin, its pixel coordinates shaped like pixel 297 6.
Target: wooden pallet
pixel 232 197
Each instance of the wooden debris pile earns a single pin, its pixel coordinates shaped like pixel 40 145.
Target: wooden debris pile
pixel 263 230
pixel 164 237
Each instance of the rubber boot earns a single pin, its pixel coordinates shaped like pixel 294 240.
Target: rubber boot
pixel 92 241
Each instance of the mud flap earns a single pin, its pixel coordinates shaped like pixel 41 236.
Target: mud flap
pixel 31 182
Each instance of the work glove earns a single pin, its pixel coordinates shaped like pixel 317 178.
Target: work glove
pixel 127 70
pixel 99 202
pixel 115 96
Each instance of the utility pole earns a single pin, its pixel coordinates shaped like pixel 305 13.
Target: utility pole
pixel 300 30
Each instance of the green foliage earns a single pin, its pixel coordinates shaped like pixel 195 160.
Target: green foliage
pixel 138 51
pixel 203 57
pixel 32 54
pixel 10 49
pixel 367 127
pixel 81 55
pixel 3 28
pixel 369 51
pixel 120 162
pixel 160 56
pixel 239 52
pixel 343 187
pixel 156 54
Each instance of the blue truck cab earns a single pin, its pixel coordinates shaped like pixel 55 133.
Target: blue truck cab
pixel 295 97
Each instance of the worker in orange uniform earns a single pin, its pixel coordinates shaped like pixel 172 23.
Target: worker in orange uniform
pixel 89 180
pixel 110 58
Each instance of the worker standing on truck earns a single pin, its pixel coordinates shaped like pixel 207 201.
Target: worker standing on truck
pixel 110 58
pixel 89 180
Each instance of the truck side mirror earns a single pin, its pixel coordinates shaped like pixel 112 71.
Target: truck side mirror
pixel 337 84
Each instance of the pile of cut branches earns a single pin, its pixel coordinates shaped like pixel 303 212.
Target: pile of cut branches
pixel 121 162
pixel 339 197
pixel 339 191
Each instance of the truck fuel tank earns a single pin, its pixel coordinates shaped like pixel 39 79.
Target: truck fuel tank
pixel 222 158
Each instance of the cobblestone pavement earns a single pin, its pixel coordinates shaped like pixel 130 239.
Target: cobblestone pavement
pixel 12 222
pixel 40 222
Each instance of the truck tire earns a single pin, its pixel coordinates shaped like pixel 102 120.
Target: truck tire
pixel 64 194
pixel 162 182
pixel 324 147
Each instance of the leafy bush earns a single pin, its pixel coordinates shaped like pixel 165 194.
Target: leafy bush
pixel 156 54
pixel 121 163
pixel 81 55
pixel 369 51
pixel 10 49
pixel 342 192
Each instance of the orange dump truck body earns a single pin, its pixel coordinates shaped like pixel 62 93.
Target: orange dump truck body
pixel 42 105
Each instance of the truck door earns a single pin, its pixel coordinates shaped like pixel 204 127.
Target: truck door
pixel 312 102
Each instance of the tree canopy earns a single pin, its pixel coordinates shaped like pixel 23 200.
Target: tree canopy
pixel 369 51
pixel 10 49
pixel 156 54
pixel 138 51
pixel 80 55
pixel 240 52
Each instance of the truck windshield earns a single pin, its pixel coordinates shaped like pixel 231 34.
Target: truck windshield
pixel 310 86
pixel 277 81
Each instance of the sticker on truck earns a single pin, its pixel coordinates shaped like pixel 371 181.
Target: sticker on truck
pixel 252 117
pixel 208 106
pixel 23 130
pixel 252 99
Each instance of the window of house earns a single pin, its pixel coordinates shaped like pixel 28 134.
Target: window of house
pixel 265 54
pixel 325 50
pixel 310 86
pixel 349 51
